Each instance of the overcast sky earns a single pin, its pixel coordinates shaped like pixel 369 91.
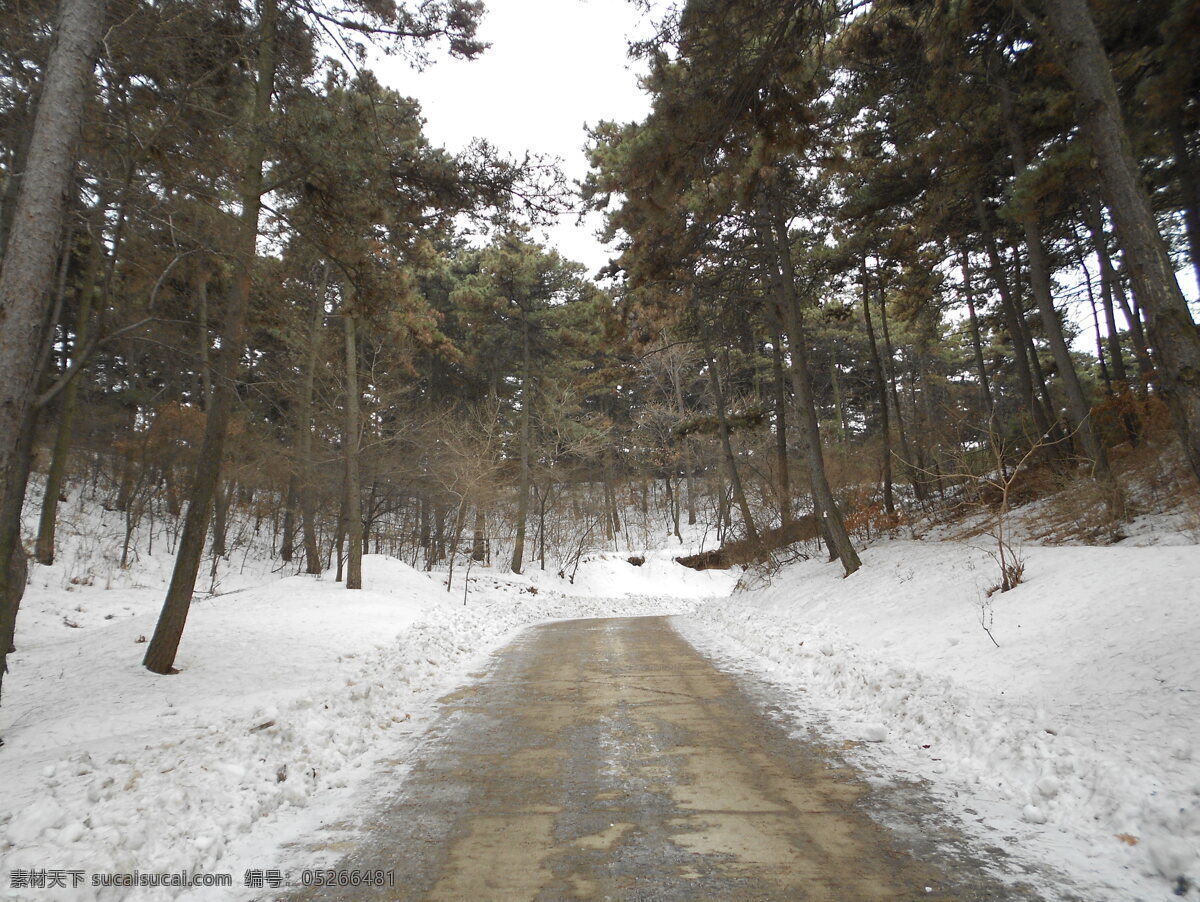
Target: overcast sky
pixel 553 66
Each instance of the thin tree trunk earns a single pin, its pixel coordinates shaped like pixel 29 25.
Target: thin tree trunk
pixel 1108 278
pixel 304 427
pixel 221 502
pixel 438 548
pixel 460 523
pixel 354 523
pixel 723 505
pixel 912 463
pixel 781 449
pixel 1101 354
pixel 518 554
pixel 160 654
pixel 1168 320
pixel 735 479
pixel 1051 408
pixel 673 502
pixel 839 397
pixel 885 426
pixel 339 539
pixel 985 388
pixel 288 543
pixel 56 477
pixel 1056 432
pixel 204 342
pixel 687 449
pixel 1141 348
pixel 478 551
pixel 423 534
pixel 611 492
pixel 543 499
pixel 370 515
pixel 929 428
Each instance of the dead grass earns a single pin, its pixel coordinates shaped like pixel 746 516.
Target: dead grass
pixel 1053 507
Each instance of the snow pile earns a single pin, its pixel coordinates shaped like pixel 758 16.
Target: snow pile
pixel 1078 734
pixel 287 692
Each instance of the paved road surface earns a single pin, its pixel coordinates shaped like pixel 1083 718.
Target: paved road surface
pixel 608 759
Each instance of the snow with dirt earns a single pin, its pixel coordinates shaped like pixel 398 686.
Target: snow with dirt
pixel 1071 741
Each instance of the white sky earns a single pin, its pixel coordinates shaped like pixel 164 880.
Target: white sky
pixel 553 66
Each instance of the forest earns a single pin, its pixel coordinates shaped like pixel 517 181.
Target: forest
pixel 869 260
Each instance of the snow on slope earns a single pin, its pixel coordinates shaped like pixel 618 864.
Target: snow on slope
pixel 1078 737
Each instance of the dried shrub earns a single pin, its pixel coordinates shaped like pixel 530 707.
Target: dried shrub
pixel 865 514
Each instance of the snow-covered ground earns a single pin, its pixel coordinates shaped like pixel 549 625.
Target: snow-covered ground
pixel 1074 742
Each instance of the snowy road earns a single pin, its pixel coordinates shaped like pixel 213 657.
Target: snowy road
pixel 607 759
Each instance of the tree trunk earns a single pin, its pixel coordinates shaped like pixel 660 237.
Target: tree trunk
pixel 687 449
pixel 31 253
pixel 423 534
pixel 56 477
pixel 1169 322
pixel 339 539
pixel 1108 278
pixel 478 551
pixel 674 505
pixel 460 523
pixel 1101 353
pixel 543 500
pixel 370 516
pixel 160 655
pixel 912 463
pixel 1141 348
pixel 438 548
pixel 885 426
pixel 14 588
pixel 354 523
pixel 221 502
pixel 968 290
pixel 518 554
pixel 783 273
pixel 781 449
pixel 929 429
pixel 1056 432
pixel 606 495
pixel 203 342
pixel 839 397
pixel 1012 319
pixel 288 543
pixel 735 480
pixel 304 427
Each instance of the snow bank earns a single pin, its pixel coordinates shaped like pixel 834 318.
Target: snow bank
pixel 1077 735
pixel 288 692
